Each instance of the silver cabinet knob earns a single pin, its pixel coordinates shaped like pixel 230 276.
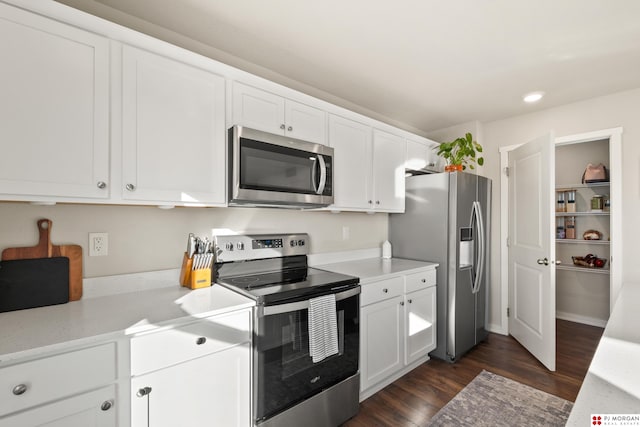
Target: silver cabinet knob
pixel 290 128
pixel 143 391
pixel 370 201
pixel 282 126
pixel 106 405
pixel 385 290
pixel 130 187
pixel 424 280
pixel 377 202
pixel 543 261
pixel 410 301
pixel 401 302
pixel 19 389
pixel 201 340
pixel 102 185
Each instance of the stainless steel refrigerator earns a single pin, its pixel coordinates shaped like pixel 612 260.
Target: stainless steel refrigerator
pixel 446 220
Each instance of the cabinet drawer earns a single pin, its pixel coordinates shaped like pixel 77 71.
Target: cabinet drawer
pixel 417 281
pixel 161 349
pixel 380 291
pixel 50 378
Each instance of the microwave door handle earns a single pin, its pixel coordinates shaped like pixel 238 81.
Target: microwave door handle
pixel 314 176
pixel 323 174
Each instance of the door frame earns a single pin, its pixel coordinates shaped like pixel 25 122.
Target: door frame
pixel 615 177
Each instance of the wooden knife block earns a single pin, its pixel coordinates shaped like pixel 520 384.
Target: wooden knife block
pixel 185 272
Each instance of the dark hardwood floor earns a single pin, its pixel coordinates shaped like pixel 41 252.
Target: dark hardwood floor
pixel 416 397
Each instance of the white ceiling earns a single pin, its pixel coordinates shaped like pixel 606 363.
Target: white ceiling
pixel 428 64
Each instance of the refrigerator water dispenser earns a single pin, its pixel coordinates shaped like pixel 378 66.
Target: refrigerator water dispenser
pixel 466 248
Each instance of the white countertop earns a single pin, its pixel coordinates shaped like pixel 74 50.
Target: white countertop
pixel 28 332
pixel 612 384
pixel 377 268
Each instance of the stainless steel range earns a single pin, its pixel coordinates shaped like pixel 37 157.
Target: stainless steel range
pixel 298 378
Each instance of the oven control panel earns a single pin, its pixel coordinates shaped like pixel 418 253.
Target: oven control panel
pixel 257 246
pixel 267 243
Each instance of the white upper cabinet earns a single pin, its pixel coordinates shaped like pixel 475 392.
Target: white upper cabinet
pixel 54 109
pixel 351 142
pixel 369 167
pixel 258 109
pixel 389 152
pixel 173 131
pixel 422 155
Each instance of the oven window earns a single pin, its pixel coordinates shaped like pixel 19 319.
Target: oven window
pixel 270 167
pixel 286 374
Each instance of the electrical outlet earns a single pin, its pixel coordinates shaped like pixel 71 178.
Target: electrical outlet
pixel 98 244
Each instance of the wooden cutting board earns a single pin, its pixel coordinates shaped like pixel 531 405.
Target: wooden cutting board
pixel 44 249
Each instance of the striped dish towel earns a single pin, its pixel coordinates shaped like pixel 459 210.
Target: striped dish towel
pixel 323 329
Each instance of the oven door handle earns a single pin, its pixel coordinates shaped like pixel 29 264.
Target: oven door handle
pixel 270 310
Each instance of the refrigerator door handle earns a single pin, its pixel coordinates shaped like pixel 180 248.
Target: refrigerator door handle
pixel 479 267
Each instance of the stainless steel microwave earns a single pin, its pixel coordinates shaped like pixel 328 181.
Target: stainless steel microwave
pixel 273 170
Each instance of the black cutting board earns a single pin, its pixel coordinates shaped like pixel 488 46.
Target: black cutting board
pixel 29 283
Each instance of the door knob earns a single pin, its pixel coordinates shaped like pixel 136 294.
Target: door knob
pixel 543 261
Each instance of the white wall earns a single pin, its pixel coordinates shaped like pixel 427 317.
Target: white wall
pixel 147 238
pixel 616 110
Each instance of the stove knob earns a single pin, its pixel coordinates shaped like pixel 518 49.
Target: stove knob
pixel 300 242
pixel 293 243
pixel 240 246
pixel 229 246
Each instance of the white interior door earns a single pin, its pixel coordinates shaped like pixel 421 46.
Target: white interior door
pixel 532 287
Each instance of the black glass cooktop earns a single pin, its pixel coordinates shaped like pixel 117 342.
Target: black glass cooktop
pixel 288 284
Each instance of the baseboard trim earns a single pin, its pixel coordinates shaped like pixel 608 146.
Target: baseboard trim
pixel 571 317
pixel 497 329
pixel 364 394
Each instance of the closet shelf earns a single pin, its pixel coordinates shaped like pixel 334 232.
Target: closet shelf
pixel 582 213
pixel 584 242
pixel 567 187
pixel 582 269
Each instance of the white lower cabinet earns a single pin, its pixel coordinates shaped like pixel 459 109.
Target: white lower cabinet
pixel 420 311
pixel 76 388
pixel 209 391
pixel 92 409
pixel 381 346
pixel 193 375
pixel 397 328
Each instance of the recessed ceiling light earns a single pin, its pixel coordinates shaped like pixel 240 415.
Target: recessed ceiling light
pixel 533 97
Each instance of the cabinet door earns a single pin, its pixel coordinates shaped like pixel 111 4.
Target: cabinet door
pixel 381 341
pixel 351 142
pixel 421 155
pixel 257 109
pixel 92 409
pixel 54 113
pixel 210 391
pixel 420 321
pixel 305 122
pixel 389 152
pixel 173 131
pixel 417 155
